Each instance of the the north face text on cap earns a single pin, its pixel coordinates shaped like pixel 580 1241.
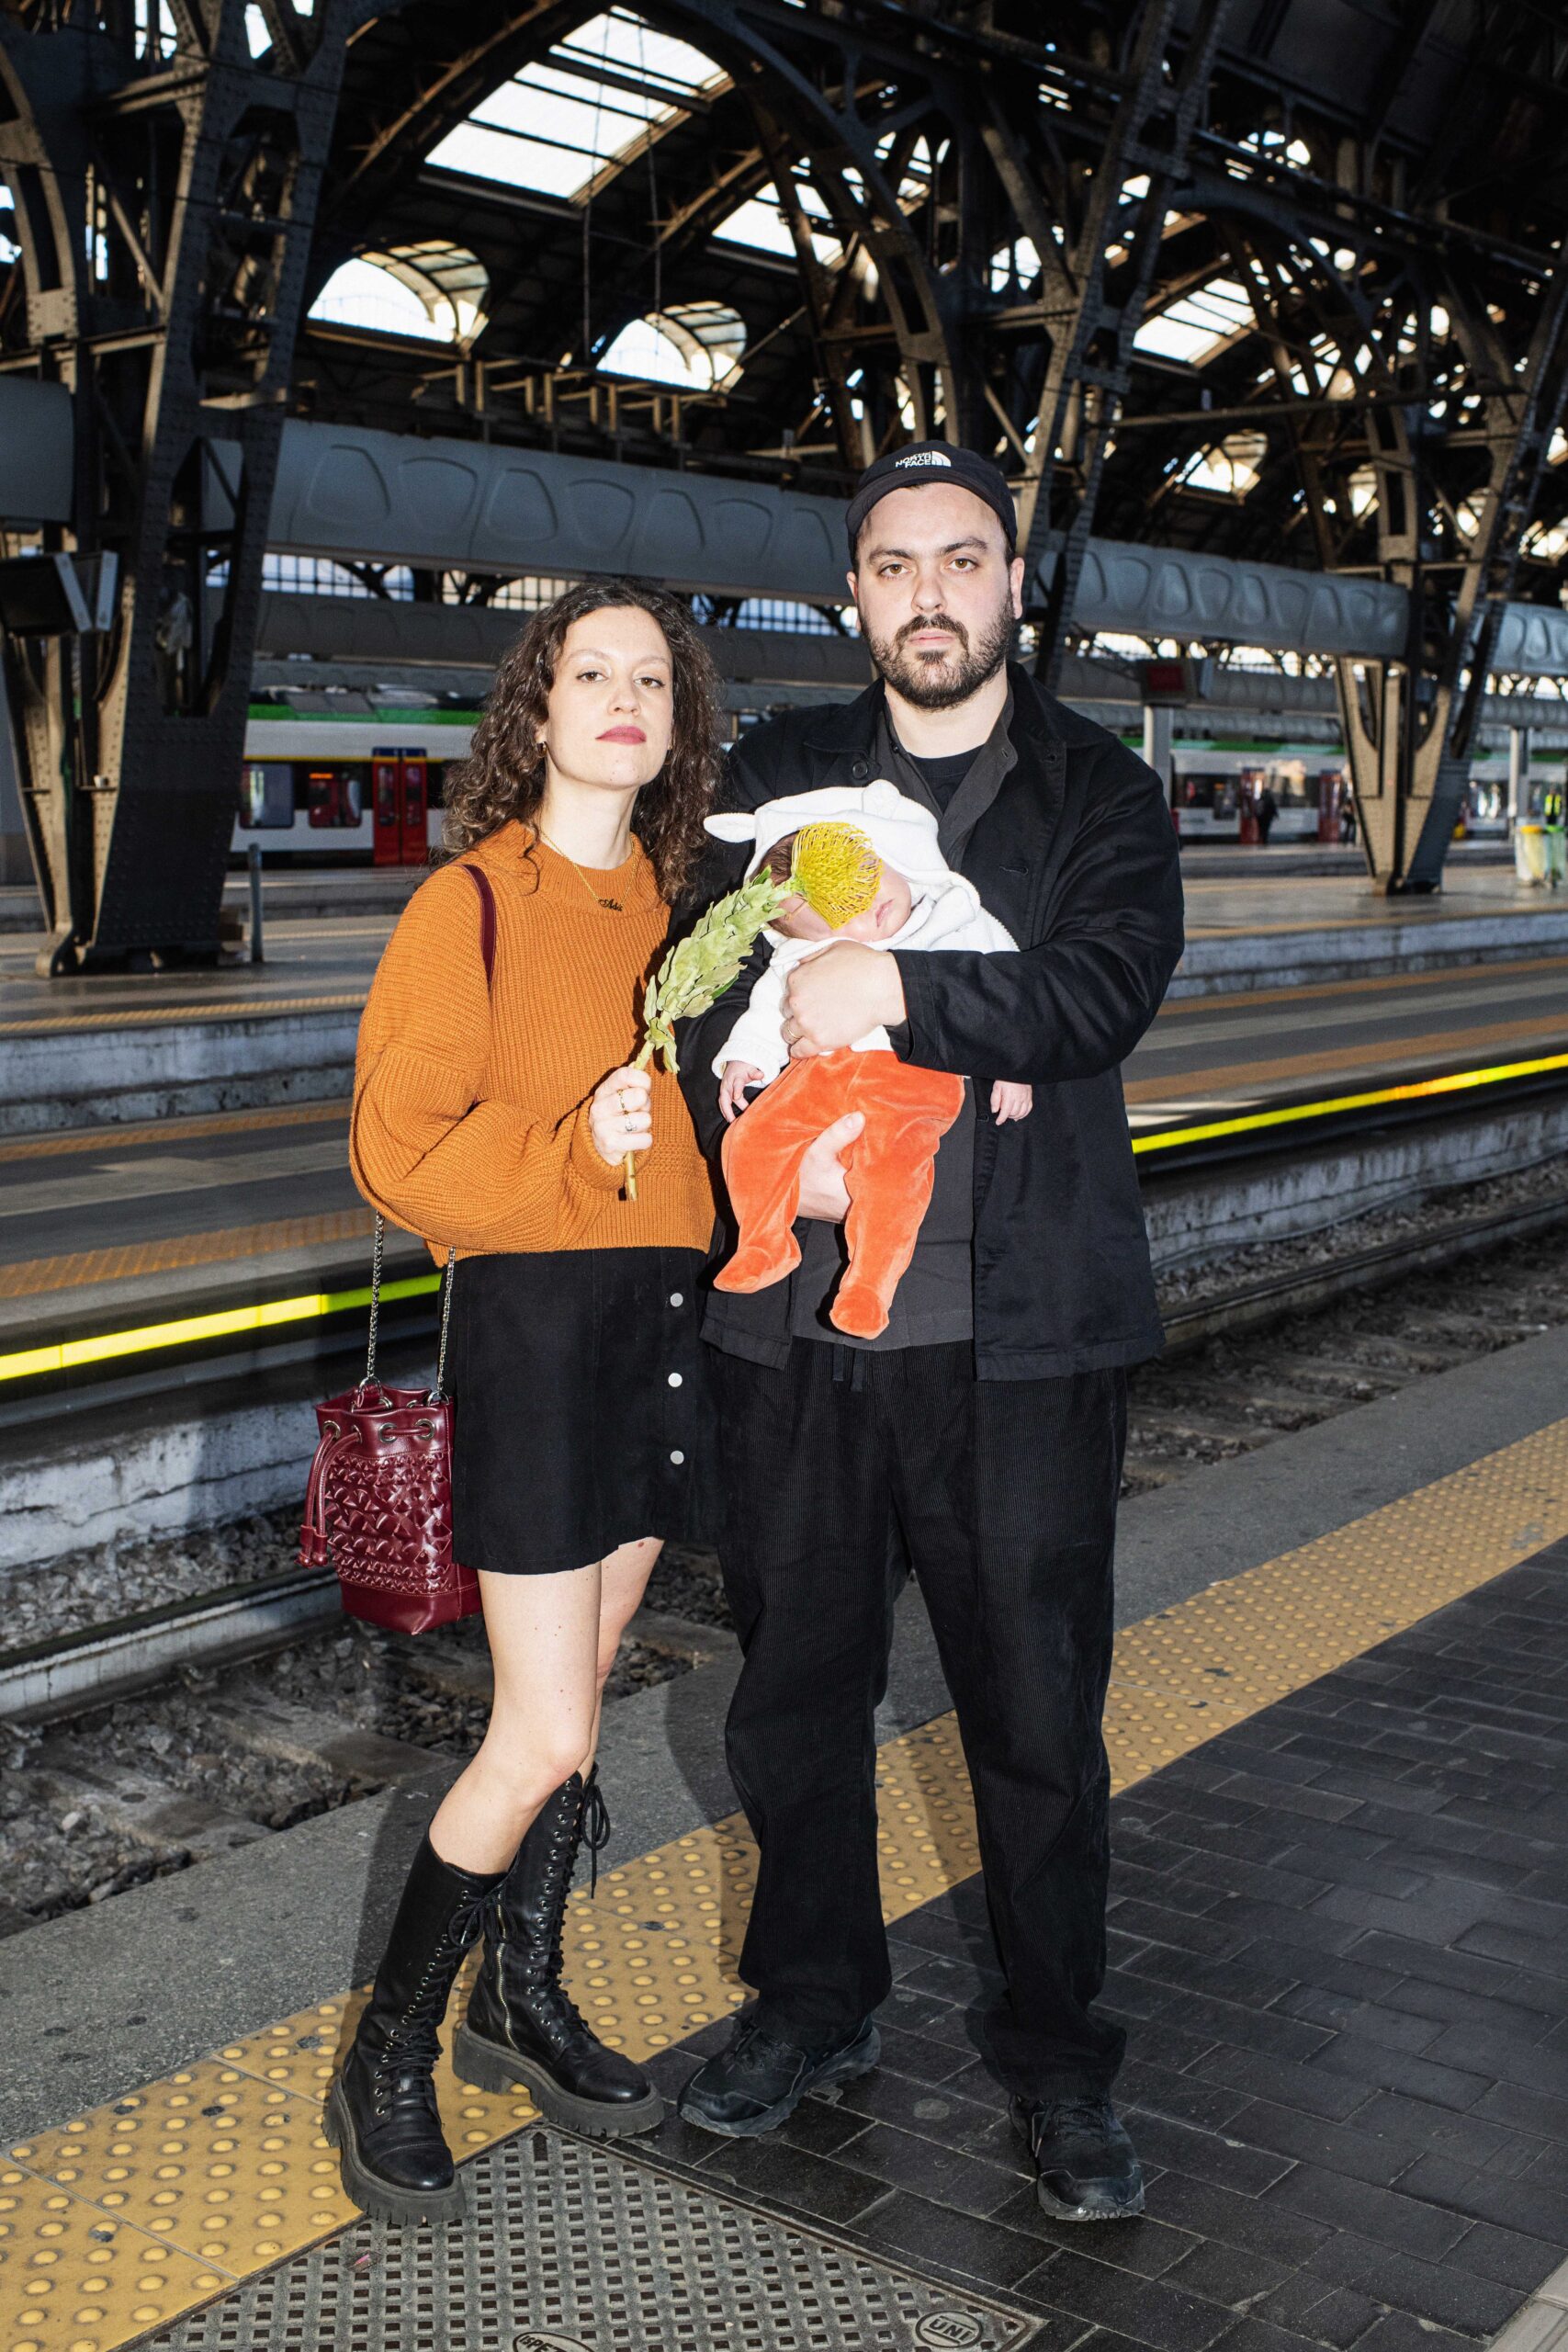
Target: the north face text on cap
pixel 924 457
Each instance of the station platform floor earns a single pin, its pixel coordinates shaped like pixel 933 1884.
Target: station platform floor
pixel 1260 899
pixel 1338 1732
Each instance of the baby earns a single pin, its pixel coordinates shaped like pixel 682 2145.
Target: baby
pixel 897 891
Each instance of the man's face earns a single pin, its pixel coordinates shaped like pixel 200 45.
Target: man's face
pixel 936 591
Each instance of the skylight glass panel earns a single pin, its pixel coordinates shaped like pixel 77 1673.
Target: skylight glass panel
pixel 1196 325
pixel 361 294
pixel 589 105
pixel 759 222
pixel 621 39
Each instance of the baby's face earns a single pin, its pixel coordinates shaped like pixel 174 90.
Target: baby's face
pixel 888 912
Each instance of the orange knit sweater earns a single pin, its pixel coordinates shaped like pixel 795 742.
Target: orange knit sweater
pixel 471 1121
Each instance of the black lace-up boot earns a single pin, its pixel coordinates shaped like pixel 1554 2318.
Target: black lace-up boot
pixel 1089 2171
pixel 522 2026
pixel 381 2113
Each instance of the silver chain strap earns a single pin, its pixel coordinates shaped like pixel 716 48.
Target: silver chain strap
pixel 374 1298
pixel 446 1318
pixel 369 1382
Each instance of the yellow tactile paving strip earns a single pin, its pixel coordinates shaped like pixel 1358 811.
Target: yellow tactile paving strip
pixel 165 1133
pixel 1392 1053
pixel 1260 925
pixel 117 2221
pixel 34 1277
pixel 174 1016
pixel 1451 976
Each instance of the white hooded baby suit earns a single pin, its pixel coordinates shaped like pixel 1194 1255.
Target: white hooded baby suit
pixel 946 912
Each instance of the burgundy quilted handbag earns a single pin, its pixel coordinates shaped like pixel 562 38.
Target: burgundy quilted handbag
pixel 379 1504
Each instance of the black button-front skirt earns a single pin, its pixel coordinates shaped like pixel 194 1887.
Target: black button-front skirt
pixel 580 1408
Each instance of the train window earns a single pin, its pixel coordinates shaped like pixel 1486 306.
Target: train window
pixel 266 795
pixel 336 796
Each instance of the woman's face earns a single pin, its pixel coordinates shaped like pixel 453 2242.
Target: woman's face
pixel 611 710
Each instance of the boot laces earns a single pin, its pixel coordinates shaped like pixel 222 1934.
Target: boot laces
pixel 594 1824
pixel 413 2044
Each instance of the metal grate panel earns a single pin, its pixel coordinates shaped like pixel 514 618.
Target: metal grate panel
pixel 570 2248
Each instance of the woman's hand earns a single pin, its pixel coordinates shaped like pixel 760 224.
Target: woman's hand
pixel 620 1115
pixel 737 1077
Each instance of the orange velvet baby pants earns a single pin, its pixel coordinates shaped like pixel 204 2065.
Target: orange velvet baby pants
pixel 888 1171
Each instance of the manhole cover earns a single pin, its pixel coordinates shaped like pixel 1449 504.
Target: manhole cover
pixel 569 2248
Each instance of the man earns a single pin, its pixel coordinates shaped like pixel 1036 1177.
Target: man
pixel 984 1429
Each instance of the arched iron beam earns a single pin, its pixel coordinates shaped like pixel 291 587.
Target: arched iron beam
pixel 790 107
pixel 834 137
pixel 1409 749
pixel 131 738
pixel 1089 338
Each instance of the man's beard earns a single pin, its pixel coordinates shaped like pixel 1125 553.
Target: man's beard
pixel 933 680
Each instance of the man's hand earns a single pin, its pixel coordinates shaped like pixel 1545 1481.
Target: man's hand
pixel 834 997
pixel 823 1193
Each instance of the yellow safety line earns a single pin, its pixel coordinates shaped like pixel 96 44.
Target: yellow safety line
pixel 1291 1113
pixel 124 2218
pixel 61 1355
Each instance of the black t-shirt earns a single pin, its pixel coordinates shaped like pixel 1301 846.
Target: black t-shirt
pixel 943 777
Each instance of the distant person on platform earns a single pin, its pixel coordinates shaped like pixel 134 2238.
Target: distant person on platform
pixel 984 1428
pixel 1268 809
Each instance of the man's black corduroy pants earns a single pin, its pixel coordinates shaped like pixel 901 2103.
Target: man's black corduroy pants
pixel 1004 1493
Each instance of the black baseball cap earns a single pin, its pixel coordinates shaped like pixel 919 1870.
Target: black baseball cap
pixel 923 462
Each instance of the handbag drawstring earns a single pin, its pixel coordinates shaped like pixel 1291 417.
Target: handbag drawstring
pixel 314 1546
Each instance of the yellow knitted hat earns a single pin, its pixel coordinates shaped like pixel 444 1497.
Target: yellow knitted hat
pixel 836 871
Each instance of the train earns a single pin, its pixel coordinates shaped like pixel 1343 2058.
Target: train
pixel 358 791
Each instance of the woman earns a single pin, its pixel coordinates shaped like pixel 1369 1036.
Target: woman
pixel 498 1119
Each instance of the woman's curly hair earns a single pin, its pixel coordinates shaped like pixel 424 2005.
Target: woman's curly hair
pixel 504 775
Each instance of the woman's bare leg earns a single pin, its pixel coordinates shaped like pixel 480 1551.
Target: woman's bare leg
pixel 544 1638
pixel 624 1575
pixel 552 1643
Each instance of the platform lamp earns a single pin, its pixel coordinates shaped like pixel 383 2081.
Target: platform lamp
pixel 66 598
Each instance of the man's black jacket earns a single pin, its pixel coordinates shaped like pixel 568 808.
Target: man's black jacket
pixel 1076 854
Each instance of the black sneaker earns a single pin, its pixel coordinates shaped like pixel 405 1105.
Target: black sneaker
pixel 758 2082
pixel 1088 2170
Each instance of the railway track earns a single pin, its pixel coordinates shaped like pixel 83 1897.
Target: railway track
pixel 138 1747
